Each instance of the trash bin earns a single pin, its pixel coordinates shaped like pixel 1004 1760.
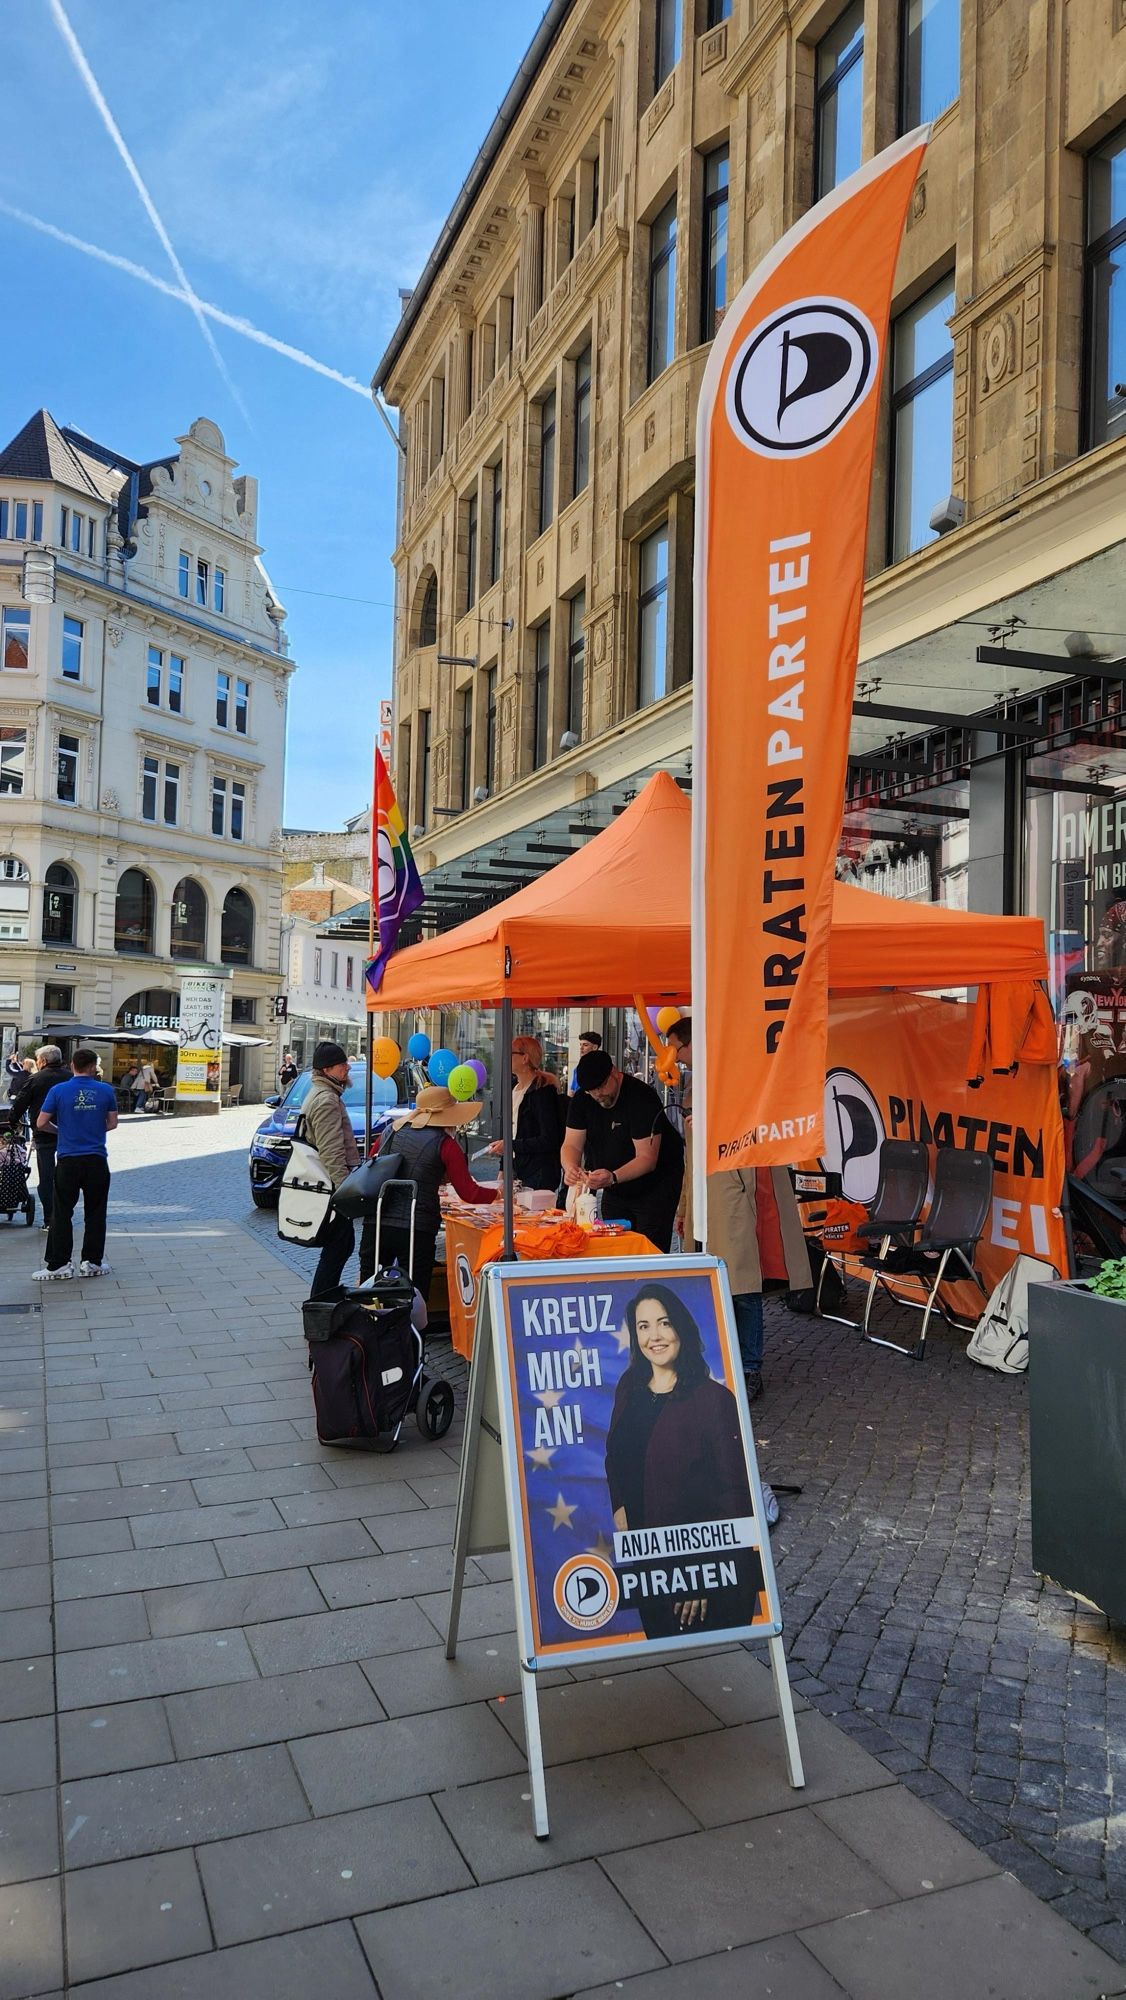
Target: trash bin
pixel 1077 1442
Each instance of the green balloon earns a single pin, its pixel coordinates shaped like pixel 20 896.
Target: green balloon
pixel 462 1083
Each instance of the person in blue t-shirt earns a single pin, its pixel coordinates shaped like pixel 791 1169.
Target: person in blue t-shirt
pixel 82 1110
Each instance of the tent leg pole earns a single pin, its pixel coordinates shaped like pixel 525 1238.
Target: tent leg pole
pixel 502 1062
pixel 368 1088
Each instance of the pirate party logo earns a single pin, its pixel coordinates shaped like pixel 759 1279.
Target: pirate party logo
pixel 854 1133
pixel 800 375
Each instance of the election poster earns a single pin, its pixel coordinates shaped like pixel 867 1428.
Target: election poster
pixel 638 1502
pixel 200 1054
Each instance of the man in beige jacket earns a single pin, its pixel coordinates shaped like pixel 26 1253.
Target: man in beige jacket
pixel 330 1132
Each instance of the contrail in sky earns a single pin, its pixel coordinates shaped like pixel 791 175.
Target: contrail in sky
pixel 77 55
pixel 236 324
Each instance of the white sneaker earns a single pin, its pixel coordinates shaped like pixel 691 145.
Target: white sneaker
pixel 88 1270
pixel 64 1271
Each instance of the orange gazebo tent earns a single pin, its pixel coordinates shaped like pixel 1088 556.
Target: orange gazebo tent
pixel 613 920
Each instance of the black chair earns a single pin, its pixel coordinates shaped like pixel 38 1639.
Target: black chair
pixel 901 1190
pixel 963 1192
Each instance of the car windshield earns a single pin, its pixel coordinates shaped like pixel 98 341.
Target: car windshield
pixel 353 1095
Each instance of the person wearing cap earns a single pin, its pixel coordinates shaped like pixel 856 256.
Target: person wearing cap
pixel 620 1141
pixel 431 1157
pixel 330 1134
pixel 589 1041
pixel 537 1118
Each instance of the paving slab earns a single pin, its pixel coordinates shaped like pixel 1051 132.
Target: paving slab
pixel 125 1737
pixel 327 1961
pixel 31 1960
pixel 397 1759
pixel 742 1771
pixel 334 1541
pixel 179 1805
pixel 781 1968
pixel 132 1913
pixel 25 1633
pixel 911 1847
pixel 378 1579
pixel 733 1885
pixel 287 1644
pixel 484 1670
pixel 275 1710
pixel 242 1600
pixel 979 1941
pixel 352 1862
pixel 29 1836
pixel 134 1569
pixel 205 1524
pixel 27 1754
pixel 27 1687
pixel 527 1945
pixel 153 1666
pixel 100 1621
pixel 592 1718
pixel 597 1807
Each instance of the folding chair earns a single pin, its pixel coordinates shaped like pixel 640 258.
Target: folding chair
pixel 234 1094
pixel 901 1190
pixel 963 1191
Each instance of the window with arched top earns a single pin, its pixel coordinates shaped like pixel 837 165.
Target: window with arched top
pixel 428 612
pixel 60 904
pixel 15 897
pixel 236 945
pixel 189 920
pixel 134 913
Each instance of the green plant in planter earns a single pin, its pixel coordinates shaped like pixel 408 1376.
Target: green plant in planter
pixel 1110 1279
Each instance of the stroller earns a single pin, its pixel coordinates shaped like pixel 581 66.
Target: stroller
pixel 14 1173
pixel 367 1358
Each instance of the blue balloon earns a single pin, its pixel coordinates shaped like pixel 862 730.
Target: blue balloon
pixel 440 1065
pixel 419 1047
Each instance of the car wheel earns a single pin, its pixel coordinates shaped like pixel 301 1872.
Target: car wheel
pixel 264 1197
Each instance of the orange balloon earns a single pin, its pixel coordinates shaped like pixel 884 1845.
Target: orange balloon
pixel 385 1056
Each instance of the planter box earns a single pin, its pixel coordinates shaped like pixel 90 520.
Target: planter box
pixel 1077 1442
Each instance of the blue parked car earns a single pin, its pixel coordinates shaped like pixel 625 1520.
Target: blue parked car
pixel 270 1146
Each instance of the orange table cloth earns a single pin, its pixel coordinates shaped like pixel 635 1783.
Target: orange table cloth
pixel 474 1238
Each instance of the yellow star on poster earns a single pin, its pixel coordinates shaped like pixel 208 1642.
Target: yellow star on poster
pixel 561 1513
pixel 549 1398
pixel 601 1548
pixel 542 1456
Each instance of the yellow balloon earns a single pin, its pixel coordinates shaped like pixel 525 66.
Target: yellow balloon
pixel 385 1056
pixel 665 1018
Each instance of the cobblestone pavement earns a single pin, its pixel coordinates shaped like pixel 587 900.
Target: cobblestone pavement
pixel 913 1616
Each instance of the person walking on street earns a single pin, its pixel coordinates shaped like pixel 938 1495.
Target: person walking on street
pixel 146 1082
pixel 330 1133
pixel 82 1111
pixel 620 1140
pixel 27 1102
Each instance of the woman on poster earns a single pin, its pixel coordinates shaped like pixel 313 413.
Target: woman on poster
pixel 674 1455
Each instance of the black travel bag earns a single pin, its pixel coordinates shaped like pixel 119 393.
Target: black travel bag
pixel 365 1359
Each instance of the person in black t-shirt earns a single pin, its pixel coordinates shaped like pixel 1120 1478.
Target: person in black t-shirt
pixel 619 1139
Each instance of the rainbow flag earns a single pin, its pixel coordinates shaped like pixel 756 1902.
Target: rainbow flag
pixel 395 885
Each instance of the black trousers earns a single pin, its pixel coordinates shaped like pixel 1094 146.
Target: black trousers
pixel 337 1245
pixel 45 1171
pixel 85 1174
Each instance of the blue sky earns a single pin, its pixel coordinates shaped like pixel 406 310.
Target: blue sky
pixel 302 155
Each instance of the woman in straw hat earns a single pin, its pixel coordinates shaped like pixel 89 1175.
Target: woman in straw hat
pixel 431 1156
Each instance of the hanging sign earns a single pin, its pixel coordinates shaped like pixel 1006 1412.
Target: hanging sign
pixel 607 1410
pixel 785 438
pixel 200 1055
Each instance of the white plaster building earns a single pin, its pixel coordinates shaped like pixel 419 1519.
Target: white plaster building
pixel 143 684
pixel 324 987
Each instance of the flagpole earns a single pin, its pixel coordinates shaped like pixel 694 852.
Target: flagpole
pixel 369 1050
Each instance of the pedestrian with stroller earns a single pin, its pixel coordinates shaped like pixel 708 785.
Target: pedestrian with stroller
pixel 330 1134
pixel 82 1111
pixel 146 1082
pixel 27 1102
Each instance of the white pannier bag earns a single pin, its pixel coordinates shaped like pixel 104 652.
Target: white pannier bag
pixel 306 1192
pixel 1000 1339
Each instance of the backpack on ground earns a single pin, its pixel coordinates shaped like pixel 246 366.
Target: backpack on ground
pixel 305 1195
pixel 366 1364
pixel 1000 1339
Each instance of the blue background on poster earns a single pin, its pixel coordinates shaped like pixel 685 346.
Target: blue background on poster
pixel 568 1502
